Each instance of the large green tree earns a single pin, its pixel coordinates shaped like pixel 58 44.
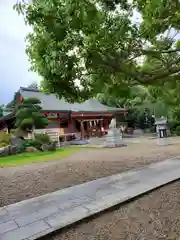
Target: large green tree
pixel 82 48
pixel 1 110
pixel 29 115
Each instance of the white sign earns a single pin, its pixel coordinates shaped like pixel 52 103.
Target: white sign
pixel 52 115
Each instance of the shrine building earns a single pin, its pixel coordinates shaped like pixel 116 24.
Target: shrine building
pixel 82 120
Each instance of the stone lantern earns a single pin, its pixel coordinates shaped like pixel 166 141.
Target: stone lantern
pixel 162 131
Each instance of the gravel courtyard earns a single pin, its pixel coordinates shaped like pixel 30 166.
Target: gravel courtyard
pixel 153 216
pixel 23 182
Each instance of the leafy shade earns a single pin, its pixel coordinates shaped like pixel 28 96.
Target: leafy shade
pixel 29 116
pixel 98 45
pixel 1 110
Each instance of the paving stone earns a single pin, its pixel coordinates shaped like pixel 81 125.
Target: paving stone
pixel 75 202
pixel 2 211
pixel 104 203
pixel 41 234
pixel 102 193
pixel 25 232
pixel 64 207
pixel 7 226
pixel 66 218
pixel 30 218
pixel 63 198
pixel 4 216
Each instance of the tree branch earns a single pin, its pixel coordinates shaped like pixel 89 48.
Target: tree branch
pixel 163 51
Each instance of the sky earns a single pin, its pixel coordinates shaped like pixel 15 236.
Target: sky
pixel 14 65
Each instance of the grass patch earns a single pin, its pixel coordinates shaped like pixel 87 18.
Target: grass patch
pixel 26 158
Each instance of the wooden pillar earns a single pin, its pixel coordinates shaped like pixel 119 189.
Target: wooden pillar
pixel 101 127
pixel 88 129
pixel 59 125
pixel 106 125
pixel 59 122
pixel 70 127
pixel 82 130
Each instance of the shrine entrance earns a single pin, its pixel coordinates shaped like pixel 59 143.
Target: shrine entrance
pixel 91 128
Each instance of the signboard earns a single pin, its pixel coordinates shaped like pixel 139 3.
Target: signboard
pixel 52 115
pixel 56 115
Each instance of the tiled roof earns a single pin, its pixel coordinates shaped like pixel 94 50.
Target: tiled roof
pixel 52 103
pixel 161 121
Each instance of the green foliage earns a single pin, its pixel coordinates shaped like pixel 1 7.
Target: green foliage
pixel 178 130
pixel 133 98
pixel 29 116
pixel 141 118
pixel 49 147
pixel 176 113
pixel 99 44
pixel 38 142
pixel 43 138
pixel 13 103
pixel 172 125
pixel 5 139
pixel 1 110
pixel 31 143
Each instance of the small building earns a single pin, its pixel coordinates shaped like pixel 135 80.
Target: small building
pixel 82 120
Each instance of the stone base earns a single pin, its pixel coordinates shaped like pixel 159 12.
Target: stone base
pixel 114 145
pixel 163 141
pixel 113 139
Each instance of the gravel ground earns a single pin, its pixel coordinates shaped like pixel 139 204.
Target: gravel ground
pixel 151 217
pixel 23 182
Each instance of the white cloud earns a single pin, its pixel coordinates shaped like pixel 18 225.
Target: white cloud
pixel 14 63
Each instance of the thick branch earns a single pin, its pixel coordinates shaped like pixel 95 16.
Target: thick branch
pixel 159 51
pixel 166 73
pixel 171 68
pixel 141 52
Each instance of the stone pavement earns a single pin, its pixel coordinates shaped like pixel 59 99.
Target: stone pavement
pixel 36 217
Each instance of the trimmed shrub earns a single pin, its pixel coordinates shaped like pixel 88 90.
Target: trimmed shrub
pixel 178 130
pixel 43 138
pixel 31 149
pixel 31 143
pixel 49 147
pixel 5 139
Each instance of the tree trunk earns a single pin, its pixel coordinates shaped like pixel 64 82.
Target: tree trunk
pixel 33 135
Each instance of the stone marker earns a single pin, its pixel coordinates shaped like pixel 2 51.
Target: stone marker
pixel 114 136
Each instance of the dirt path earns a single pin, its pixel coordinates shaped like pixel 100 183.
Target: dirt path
pixel 19 183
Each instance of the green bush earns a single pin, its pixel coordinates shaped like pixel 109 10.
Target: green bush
pixel 178 130
pixel 49 147
pixel 43 138
pixel 40 140
pixel 5 139
pixel 31 143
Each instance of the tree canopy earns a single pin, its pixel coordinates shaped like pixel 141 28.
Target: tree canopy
pixel 82 48
pixel 1 110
